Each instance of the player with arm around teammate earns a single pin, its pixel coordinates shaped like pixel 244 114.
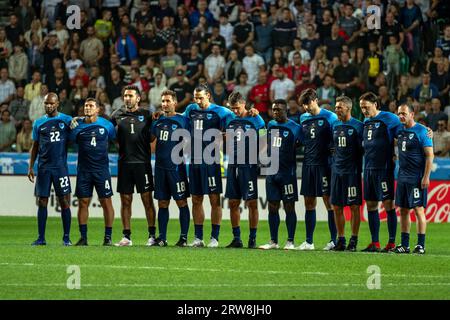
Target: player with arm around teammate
pixel 242 134
pixel 170 178
pixel 346 187
pixel 415 150
pixel 285 135
pixel 50 137
pixel 93 135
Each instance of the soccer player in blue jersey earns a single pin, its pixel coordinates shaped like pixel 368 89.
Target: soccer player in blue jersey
pixel 415 150
pixel 283 134
pixel 346 187
pixel 380 129
pixel 93 135
pixel 317 126
pixel 205 178
pixel 170 178
pixel 242 134
pixel 50 138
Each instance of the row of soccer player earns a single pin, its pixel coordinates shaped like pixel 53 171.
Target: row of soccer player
pixel 320 131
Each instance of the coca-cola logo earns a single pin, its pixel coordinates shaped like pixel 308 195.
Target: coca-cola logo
pixel 438 208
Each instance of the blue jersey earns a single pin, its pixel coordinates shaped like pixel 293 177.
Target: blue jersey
pixel 411 154
pixel 245 124
pixel 93 141
pixel 163 129
pixel 200 120
pixel 289 134
pixel 52 134
pixel 379 134
pixel 294 116
pixel 318 138
pixel 347 139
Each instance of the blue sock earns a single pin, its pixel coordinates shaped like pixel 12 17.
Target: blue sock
pixel 291 225
pixel 163 220
pixel 237 233
pixel 198 231
pixel 310 222
pixel 66 218
pixel 184 221
pixel 274 223
pixel 42 221
pixel 215 229
pixel 252 233
pixel 108 232
pixel 374 225
pixel 405 239
pixel 342 240
pixel 332 226
pixel 392 224
pixel 421 239
pixel 83 230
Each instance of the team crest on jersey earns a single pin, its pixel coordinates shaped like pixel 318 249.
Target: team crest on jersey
pixel 209 116
pixel 285 133
pixel 101 130
pixel 350 132
pixel 141 118
pixel 247 127
pixel 377 125
pixel 411 135
pixel 61 125
pixel 320 122
pixel 174 126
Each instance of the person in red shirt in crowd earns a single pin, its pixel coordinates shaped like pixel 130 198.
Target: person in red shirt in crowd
pixel 260 96
pixel 137 81
pixel 297 70
pixel 82 75
pixel 273 73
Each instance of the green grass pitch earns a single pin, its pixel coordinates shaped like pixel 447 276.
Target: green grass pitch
pixel 140 272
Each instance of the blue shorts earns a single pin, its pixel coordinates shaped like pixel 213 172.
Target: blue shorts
pixel 282 186
pixel 346 189
pixel 86 181
pixel 315 181
pixel 60 179
pixel 205 179
pixel 410 195
pixel 242 182
pixel 378 185
pixel 171 183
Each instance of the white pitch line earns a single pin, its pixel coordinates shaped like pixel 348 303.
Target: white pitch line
pixel 220 270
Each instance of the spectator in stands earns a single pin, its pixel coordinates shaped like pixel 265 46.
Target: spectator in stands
pixel 444 42
pixel 213 38
pixel 436 114
pixel 334 43
pixel 91 49
pixel 14 30
pixel 26 14
pixel 49 52
pixel 243 33
pixel 144 15
pixel 183 90
pixel 297 70
pixel 7 87
pixel 18 64
pixel 260 95
pixel 59 82
pixel 72 65
pixel 185 40
pixel 243 87
pixel 214 65
pixel 346 77
pixel 282 87
pixel 326 94
pixel 170 61
pixel 383 95
pixel 441 79
pixel 298 49
pixel 231 9
pixel 391 27
pixel 202 10
pixel 5 48
pixel 126 46
pixel 264 39
pixel 167 32
pixel 278 57
pixel 74 44
pixel 37 109
pixel 65 105
pixel 104 100
pixel 403 90
pixel 194 65
pixel 284 31
pixel 114 85
pixel 232 70
pixel 24 140
pixel 151 45
pixel 154 96
pixel 253 64
pixel 426 89
pixel 441 140
pixel 7 132
pixel 62 35
pixel 104 29
pixel 311 42
pixel 226 30
pixel 349 24
pixel 33 89
pixel 219 95
pixel 19 107
pixel 411 19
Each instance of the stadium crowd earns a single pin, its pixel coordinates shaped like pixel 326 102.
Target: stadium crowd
pixel 264 49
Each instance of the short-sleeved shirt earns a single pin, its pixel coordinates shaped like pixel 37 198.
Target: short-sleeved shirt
pixel 379 134
pixel 133 135
pixel 240 127
pixel 52 134
pixel 285 136
pixel 163 129
pixel 93 142
pixel 347 140
pixel 410 142
pixel 317 137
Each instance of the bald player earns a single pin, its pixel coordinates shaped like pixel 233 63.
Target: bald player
pixel 50 136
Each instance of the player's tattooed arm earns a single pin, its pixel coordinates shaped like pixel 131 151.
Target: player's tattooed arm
pixel 33 156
